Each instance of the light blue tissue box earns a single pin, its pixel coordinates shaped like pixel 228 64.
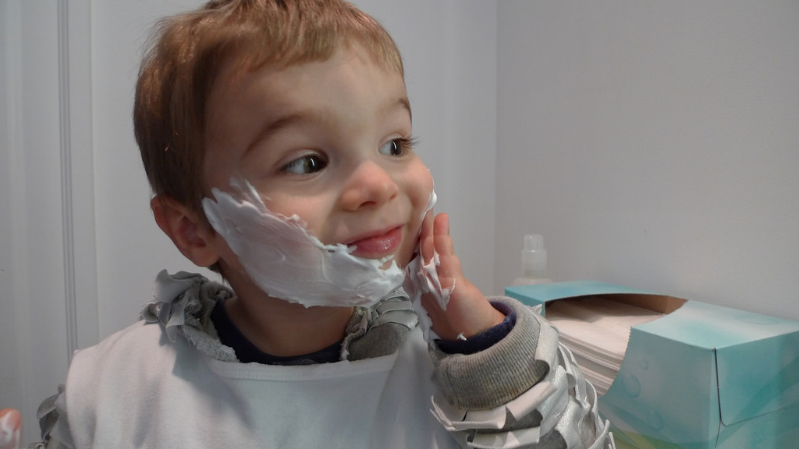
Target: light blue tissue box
pixel 702 376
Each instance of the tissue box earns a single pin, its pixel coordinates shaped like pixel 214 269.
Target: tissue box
pixel 702 376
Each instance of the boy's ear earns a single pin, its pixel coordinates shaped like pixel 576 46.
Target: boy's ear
pixel 186 229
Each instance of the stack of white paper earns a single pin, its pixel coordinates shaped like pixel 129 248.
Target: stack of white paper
pixel 597 332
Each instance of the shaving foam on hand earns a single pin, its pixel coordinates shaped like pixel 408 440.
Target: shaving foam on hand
pixel 286 262
pixel 426 277
pixel 423 279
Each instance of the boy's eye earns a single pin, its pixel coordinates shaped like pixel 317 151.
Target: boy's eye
pixel 396 147
pixel 307 164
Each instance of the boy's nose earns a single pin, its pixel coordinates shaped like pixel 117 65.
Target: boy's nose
pixel 369 184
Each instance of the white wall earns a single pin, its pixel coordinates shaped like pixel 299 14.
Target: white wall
pixel 653 144
pixel 34 265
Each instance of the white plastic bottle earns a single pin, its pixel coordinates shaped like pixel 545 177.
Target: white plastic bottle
pixel 534 262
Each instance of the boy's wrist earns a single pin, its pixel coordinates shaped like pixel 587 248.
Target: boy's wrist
pixel 484 339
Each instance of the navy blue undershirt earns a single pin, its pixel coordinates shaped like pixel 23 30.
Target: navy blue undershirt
pixel 247 352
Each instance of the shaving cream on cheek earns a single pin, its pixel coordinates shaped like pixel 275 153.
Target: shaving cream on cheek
pixel 286 262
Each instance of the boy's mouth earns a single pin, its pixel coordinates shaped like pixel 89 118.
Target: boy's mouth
pixel 375 245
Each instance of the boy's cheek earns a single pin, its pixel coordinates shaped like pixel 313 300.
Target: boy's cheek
pixel 421 192
pixel 422 184
pixel 227 258
pixel 405 256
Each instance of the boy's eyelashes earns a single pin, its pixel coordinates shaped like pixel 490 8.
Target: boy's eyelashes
pixel 398 147
pixel 312 163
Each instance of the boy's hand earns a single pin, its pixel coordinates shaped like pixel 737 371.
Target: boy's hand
pixel 468 311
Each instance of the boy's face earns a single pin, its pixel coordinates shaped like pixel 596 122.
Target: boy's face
pixel 327 141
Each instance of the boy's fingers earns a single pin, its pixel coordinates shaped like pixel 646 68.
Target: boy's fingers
pixel 441 224
pixel 450 268
pixel 426 239
pixel 443 241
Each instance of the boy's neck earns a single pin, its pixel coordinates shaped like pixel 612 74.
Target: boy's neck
pixel 285 329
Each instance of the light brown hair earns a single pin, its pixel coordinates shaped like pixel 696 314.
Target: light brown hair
pixel 187 52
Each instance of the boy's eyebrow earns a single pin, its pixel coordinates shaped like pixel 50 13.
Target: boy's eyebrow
pixel 403 101
pixel 293 119
pixel 304 117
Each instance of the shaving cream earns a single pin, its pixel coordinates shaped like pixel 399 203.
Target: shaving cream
pixel 423 279
pixel 287 262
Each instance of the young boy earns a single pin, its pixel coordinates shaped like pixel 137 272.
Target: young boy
pixel 276 136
